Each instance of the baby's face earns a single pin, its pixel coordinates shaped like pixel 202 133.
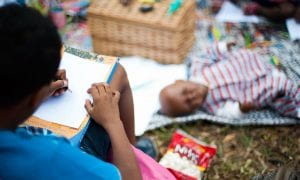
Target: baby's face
pixel 182 97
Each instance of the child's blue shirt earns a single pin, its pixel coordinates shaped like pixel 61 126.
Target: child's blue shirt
pixel 27 156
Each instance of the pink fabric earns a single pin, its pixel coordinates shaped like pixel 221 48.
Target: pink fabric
pixel 150 169
pixel 58 18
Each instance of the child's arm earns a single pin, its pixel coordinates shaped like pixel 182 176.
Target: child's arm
pixel 105 112
pixel 120 83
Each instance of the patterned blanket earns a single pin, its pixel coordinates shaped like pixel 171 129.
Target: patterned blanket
pixel 289 55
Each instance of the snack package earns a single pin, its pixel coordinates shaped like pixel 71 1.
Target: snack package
pixel 187 157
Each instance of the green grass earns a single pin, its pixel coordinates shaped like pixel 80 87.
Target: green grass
pixel 242 151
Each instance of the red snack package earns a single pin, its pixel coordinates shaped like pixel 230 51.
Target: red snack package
pixel 187 157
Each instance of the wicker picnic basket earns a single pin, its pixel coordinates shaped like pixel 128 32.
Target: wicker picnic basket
pixel 123 30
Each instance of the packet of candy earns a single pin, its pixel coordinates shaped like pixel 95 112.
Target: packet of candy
pixel 187 157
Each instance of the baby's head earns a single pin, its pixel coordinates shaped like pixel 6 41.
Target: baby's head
pixel 182 97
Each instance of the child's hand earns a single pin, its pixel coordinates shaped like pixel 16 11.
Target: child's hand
pixel 60 84
pixel 105 108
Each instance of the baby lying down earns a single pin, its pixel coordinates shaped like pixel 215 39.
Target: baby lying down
pixel 230 84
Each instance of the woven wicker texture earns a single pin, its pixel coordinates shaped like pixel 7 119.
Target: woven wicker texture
pixel 123 30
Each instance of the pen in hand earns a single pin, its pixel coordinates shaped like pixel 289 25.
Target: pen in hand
pixel 60 86
pixel 60 83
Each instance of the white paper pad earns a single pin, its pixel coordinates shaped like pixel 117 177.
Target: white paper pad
pixel 147 78
pixel 293 28
pixel 231 13
pixel 68 109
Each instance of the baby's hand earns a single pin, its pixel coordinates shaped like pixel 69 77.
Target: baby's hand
pixel 246 107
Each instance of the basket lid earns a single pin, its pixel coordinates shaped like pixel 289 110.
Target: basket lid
pixel 114 10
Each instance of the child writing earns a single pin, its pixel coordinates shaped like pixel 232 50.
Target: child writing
pixel 30 55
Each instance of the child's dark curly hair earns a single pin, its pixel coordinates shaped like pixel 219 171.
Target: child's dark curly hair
pixel 30 49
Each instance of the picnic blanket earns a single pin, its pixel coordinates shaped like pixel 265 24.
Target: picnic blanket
pixel 289 55
pixel 147 78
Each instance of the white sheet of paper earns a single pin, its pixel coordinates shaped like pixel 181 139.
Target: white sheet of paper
pixel 231 13
pixel 68 109
pixel 293 28
pixel 147 78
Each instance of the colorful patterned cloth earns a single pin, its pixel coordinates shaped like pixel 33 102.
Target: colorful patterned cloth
pixel 243 76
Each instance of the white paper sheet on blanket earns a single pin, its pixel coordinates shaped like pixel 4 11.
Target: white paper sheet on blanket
pixel 231 13
pixel 147 78
pixel 293 28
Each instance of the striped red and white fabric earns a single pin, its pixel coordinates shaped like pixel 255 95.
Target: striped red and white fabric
pixel 245 77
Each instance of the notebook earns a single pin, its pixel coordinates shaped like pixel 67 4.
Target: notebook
pixel 68 109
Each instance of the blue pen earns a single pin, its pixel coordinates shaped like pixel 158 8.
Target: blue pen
pixel 210 34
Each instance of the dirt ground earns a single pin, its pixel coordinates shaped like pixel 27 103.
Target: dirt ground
pixel 242 151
